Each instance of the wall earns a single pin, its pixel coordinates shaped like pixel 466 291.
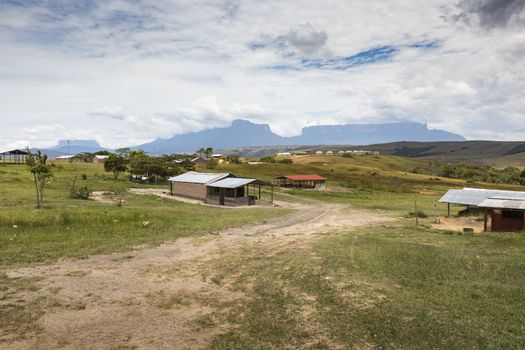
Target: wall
pixel 184 189
pixel 505 224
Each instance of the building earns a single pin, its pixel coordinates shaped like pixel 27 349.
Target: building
pixel 301 181
pixel 65 158
pixel 504 209
pixel 15 156
pixel 199 161
pixel 329 153
pixel 99 159
pixel 284 155
pixel 319 153
pixel 218 188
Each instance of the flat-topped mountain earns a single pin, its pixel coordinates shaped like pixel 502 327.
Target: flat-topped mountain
pixel 243 133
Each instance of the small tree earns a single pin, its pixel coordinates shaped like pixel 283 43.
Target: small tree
pixel 116 164
pixel 208 152
pixel 41 173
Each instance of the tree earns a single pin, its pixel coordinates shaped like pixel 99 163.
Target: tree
pixel 41 173
pixel 200 152
pixel 208 152
pixel 116 164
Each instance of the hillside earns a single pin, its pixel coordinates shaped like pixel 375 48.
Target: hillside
pixel 500 153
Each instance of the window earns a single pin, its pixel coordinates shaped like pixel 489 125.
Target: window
pixel 512 214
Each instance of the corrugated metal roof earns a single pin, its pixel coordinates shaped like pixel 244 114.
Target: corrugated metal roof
pixel 501 203
pixel 232 182
pixel 476 196
pixel 198 178
pixel 303 177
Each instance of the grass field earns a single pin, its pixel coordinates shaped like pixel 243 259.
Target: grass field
pixel 396 287
pixel 78 228
pixel 388 285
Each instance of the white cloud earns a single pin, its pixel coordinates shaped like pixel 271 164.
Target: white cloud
pixel 126 72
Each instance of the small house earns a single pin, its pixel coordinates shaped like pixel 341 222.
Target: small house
pixel 502 210
pixel 99 159
pixel 199 161
pixel 319 153
pixel 329 153
pixel 284 155
pixel 15 156
pixel 219 188
pixel 301 181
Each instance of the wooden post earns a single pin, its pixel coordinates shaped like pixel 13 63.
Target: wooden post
pixel 435 214
pixel 448 210
pixel 171 188
pixel 485 219
pixel 417 219
pixel 271 201
pixel 259 191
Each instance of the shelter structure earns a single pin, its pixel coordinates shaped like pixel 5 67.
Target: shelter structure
pixel 99 159
pixel 301 181
pixel 505 209
pixel 219 188
pixel 15 156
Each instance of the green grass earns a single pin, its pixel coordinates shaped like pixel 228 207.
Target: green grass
pixel 389 287
pixel 78 228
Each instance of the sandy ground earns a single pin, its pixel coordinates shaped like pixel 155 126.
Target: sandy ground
pixel 457 224
pixel 168 195
pixel 108 301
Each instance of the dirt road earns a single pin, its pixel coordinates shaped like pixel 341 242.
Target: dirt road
pixel 115 301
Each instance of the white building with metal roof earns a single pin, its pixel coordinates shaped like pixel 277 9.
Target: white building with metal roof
pixel 506 209
pixel 218 188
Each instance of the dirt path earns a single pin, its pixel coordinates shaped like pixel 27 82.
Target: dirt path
pixel 116 301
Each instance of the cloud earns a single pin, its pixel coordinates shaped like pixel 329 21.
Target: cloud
pixel 126 72
pixel 303 41
pixel 491 13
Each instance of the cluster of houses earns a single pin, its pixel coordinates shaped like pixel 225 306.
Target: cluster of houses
pixel 327 153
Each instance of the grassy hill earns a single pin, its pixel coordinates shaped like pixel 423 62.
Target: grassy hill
pixel 498 153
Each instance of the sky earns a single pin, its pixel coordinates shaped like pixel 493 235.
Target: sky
pixel 127 72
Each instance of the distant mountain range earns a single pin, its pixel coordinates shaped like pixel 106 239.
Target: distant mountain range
pixel 243 133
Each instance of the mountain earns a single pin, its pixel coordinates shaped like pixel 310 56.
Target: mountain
pixel 364 134
pixel 74 147
pixel 240 133
pixel 243 133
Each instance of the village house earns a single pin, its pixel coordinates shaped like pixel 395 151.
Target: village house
pixel 503 211
pixel 219 188
pixel 301 181
pixel 15 156
pixel 99 159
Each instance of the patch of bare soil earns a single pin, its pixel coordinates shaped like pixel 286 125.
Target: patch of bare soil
pixel 457 224
pixel 166 194
pixel 105 197
pixel 126 301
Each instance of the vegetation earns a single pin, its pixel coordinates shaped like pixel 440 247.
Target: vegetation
pixel 116 164
pixel 485 173
pixel 390 287
pixel 37 164
pixel 72 228
pixel 78 192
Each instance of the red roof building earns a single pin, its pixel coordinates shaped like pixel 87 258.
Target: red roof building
pixel 301 181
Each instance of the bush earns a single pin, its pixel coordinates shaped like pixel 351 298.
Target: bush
pixel 78 192
pixel 420 214
pixel 212 164
pixel 84 177
pixel 285 161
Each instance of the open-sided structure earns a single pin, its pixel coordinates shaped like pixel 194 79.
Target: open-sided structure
pixel 301 181
pixel 219 188
pixel 504 208
pixel 15 156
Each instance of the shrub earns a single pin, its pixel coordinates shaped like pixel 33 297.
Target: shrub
pixel 420 214
pixel 78 192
